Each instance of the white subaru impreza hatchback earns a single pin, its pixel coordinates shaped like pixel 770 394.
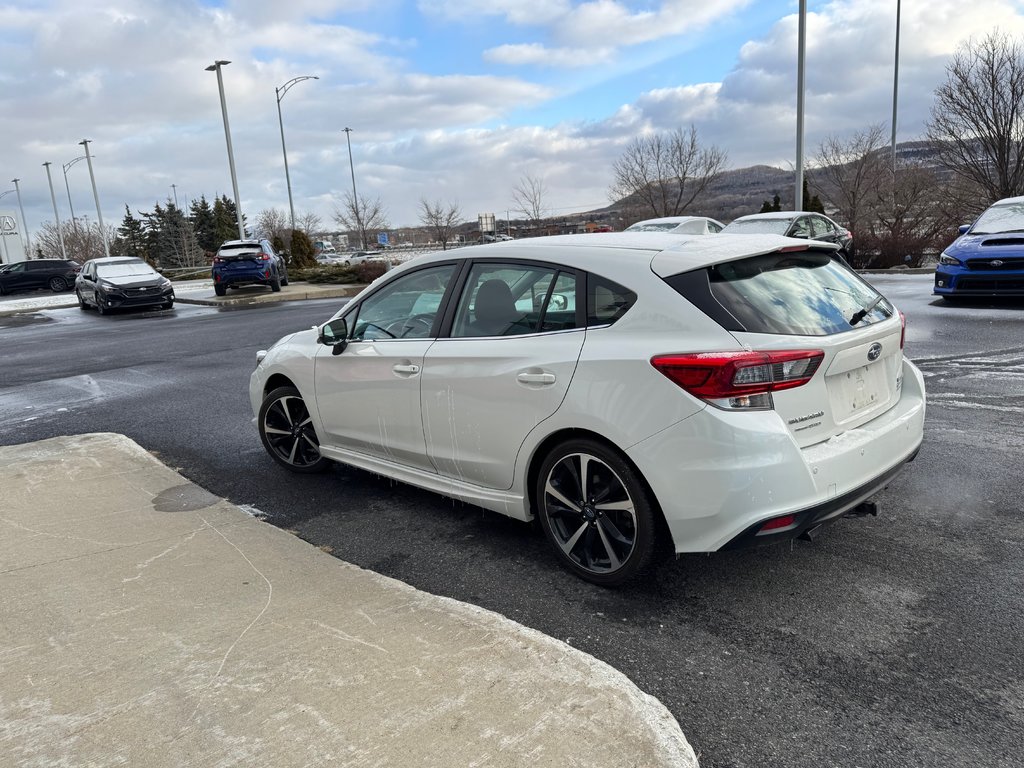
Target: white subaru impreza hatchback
pixel 629 390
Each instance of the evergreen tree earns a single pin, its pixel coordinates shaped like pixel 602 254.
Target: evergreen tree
pixel 204 224
pixel 303 253
pixel 225 220
pixel 131 237
pixel 812 204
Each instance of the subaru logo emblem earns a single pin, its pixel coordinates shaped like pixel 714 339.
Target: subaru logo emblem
pixel 996 262
pixel 874 351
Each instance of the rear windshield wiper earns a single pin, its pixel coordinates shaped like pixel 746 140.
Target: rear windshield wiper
pixel 862 313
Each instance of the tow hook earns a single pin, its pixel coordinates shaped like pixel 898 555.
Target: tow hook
pixel 863 509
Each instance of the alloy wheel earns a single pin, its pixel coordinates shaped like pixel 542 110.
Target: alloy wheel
pixel 287 431
pixel 590 514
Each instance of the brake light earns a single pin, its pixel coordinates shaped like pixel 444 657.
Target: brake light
pixel 903 329
pixel 264 257
pixel 740 380
pixel 218 260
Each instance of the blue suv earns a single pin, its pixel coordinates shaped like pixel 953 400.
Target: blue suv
pixel 988 258
pixel 248 262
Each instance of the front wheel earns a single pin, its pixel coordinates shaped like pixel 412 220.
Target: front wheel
pixel 58 284
pixel 81 302
pixel 596 512
pixel 286 429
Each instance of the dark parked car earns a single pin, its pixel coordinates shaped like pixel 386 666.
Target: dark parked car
pixel 807 226
pixel 988 257
pixel 118 282
pixel 248 262
pixel 55 274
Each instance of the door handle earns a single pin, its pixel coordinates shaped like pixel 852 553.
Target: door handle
pixel 410 368
pixel 536 378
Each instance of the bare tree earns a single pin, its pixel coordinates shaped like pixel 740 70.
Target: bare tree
pixel 360 216
pixel 664 173
pixel 908 218
pixel 272 223
pixel 82 242
pixel 977 121
pixel 529 196
pixel 851 175
pixel 310 223
pixel 440 219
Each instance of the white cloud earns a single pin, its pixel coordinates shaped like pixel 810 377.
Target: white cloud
pixel 539 55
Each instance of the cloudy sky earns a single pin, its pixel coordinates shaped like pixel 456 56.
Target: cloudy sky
pixel 452 100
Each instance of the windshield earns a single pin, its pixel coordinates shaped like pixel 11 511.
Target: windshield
pixel 758 227
pixel 1000 218
pixel 126 269
pixel 666 226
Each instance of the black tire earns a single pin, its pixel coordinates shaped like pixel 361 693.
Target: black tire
pixel 167 304
pixel 100 308
pixel 220 290
pixel 284 276
pixel 275 285
pixel 602 526
pixel 81 302
pixel 58 284
pixel 287 432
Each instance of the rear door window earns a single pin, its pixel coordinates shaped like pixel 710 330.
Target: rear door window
pixel 806 293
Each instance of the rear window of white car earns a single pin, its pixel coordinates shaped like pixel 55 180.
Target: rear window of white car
pixel 806 293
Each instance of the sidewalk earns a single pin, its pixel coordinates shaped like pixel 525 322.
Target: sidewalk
pixel 146 622
pixel 193 292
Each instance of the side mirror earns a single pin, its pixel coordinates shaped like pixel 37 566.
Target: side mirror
pixel 962 229
pixel 334 335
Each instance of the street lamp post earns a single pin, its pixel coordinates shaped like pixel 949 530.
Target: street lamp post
pixel 56 216
pixel 280 92
pixel 3 237
pixel 800 56
pixel 67 167
pixel 355 197
pixel 24 222
pixel 215 67
pixel 96 197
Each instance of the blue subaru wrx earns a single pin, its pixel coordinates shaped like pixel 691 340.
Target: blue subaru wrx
pixel 988 258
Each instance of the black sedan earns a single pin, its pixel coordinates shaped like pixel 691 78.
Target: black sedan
pixel 55 274
pixel 117 282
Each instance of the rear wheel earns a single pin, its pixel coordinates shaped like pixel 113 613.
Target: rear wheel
pixel 286 430
pixel 275 285
pixel 220 290
pixel 284 276
pixel 58 284
pixel 596 512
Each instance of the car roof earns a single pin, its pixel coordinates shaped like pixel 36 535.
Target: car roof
pixel 254 243
pixel 778 215
pixel 616 255
pixel 1008 201
pixel 673 220
pixel 117 260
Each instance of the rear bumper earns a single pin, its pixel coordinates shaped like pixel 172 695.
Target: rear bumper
pixel 248 276
pixel 749 470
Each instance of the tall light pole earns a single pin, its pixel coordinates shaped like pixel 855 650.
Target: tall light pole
pixel 280 92
pixel 96 197
pixel 24 221
pixel 355 197
pixel 895 88
pixel 3 236
pixel 56 216
pixel 174 189
pixel 67 167
pixel 215 67
pixel 801 54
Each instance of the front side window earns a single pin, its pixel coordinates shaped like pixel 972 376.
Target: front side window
pixel 406 308
pixel 514 299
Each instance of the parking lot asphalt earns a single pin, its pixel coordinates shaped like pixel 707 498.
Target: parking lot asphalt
pixel 149 622
pixel 199 292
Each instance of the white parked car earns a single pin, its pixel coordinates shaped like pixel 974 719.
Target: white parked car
pixel 679 225
pixel 710 392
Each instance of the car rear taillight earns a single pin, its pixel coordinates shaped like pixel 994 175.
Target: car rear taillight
pixel 264 257
pixel 740 380
pixel 777 524
pixel 218 260
pixel 903 329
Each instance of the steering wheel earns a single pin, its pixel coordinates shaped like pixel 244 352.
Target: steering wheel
pixel 402 328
